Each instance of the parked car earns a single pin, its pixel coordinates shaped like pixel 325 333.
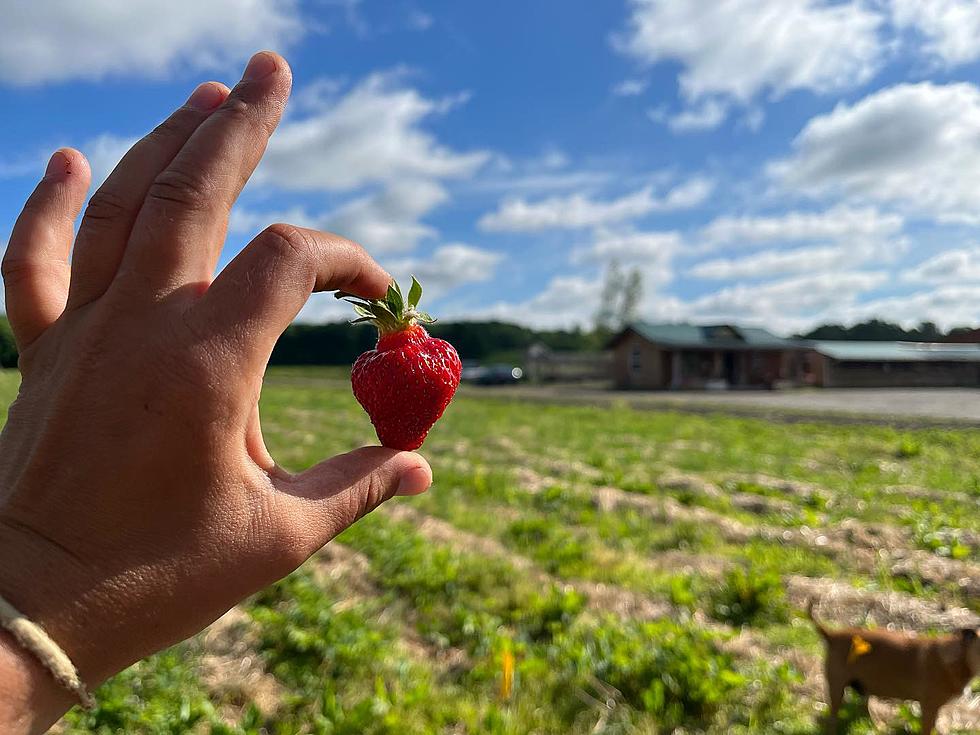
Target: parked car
pixel 492 374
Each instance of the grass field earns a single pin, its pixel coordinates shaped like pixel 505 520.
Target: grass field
pixel 580 570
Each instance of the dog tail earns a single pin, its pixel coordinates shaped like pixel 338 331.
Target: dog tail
pixel 816 623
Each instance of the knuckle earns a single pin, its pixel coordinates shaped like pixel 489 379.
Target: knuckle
pixel 105 206
pixel 15 269
pixel 235 111
pixel 175 186
pixel 174 128
pixel 287 242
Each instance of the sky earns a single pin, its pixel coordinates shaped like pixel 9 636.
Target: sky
pixel 781 163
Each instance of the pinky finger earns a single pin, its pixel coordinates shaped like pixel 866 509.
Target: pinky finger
pixel 35 266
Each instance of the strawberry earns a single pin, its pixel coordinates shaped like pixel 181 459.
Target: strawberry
pixel 407 381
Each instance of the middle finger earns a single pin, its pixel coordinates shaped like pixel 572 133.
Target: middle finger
pixel 181 227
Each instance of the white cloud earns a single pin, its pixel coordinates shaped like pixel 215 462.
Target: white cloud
pixel 578 211
pixel 770 263
pixel 388 221
pixel 61 40
pixel 630 88
pixel 565 301
pixel 385 221
pixel 706 115
pixel 789 304
pixel 950 28
pixel 947 306
pixel 448 267
pixel 916 145
pixel 635 247
pixel 743 49
pixel 371 134
pixel 836 223
pixel 952 266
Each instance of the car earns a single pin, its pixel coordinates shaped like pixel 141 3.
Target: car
pixel 500 374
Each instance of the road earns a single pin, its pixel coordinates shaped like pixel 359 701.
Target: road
pixel 887 405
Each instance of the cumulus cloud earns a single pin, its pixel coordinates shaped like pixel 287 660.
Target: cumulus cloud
pixel 915 145
pixel 565 301
pixel 384 221
pixel 949 28
pixel 741 50
pixel 837 223
pixel 953 305
pixel 635 247
pixel 770 263
pixel 578 211
pixel 961 265
pixel 790 303
pixel 62 40
pixel 448 267
pixel 371 134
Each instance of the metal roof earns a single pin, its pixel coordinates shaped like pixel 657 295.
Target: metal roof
pixel 713 336
pixel 898 351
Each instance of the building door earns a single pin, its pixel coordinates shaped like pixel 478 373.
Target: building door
pixel 730 371
pixel 666 369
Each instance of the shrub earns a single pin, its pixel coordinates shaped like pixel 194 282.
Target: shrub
pixel 747 597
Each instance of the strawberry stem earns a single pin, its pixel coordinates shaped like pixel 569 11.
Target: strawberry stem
pixel 393 313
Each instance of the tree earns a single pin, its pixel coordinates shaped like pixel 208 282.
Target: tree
pixel 8 348
pixel 612 287
pixel 632 295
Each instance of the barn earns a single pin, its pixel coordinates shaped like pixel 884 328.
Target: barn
pixel 660 356
pixel 840 364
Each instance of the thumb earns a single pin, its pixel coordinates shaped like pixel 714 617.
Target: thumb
pixel 335 493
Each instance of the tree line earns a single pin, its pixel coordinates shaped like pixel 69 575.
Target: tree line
pixel 340 343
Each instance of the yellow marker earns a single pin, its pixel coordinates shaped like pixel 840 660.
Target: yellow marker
pixel 507 675
pixel 859 647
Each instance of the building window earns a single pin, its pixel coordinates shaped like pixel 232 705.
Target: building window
pixel 635 360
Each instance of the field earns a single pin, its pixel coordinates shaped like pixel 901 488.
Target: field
pixel 581 570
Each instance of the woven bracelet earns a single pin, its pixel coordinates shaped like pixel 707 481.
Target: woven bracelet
pixel 32 637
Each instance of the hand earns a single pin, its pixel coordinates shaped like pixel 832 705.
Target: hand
pixel 137 499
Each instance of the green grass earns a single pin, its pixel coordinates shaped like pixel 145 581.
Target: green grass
pixel 424 650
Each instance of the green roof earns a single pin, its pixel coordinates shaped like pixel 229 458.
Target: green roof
pixel 848 351
pixel 712 336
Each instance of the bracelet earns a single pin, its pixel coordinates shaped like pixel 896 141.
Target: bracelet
pixel 32 637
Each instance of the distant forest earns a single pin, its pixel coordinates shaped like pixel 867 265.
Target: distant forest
pixel 340 343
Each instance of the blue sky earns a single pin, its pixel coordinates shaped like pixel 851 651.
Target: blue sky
pixel 773 162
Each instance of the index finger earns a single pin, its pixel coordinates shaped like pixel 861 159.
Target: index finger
pixel 261 291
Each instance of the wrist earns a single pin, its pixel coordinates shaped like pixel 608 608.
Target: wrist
pixel 32 700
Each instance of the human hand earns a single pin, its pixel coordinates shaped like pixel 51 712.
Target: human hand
pixel 137 499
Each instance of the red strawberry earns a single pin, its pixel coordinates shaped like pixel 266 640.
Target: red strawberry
pixel 407 381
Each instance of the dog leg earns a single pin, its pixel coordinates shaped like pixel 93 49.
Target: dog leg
pixel 835 700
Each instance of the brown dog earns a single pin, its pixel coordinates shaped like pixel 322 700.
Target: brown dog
pixel 898 666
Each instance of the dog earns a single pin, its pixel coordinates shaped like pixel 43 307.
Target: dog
pixel 882 663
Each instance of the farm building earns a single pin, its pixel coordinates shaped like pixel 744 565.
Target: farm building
pixel 841 364
pixel 678 356
pixel 658 356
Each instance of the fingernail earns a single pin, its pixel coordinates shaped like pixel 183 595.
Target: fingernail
pixel 58 166
pixel 414 482
pixel 259 66
pixel 206 97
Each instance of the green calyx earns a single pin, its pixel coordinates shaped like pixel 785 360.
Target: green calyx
pixel 393 313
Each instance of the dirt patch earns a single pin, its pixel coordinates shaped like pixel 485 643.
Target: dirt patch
pixel 842 604
pixel 232 671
